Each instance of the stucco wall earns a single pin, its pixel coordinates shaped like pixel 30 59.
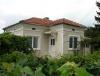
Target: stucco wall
pixel 39 31
pixel 16 29
pixel 26 30
pixel 62 37
pixel 58 50
pixel 44 38
pixel 68 31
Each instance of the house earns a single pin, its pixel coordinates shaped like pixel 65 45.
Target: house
pixel 51 37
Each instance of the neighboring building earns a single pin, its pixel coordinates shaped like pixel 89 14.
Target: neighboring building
pixel 51 37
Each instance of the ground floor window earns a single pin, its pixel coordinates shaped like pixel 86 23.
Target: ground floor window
pixel 52 41
pixel 33 42
pixel 73 42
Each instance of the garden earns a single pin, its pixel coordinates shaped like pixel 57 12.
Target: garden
pixel 22 64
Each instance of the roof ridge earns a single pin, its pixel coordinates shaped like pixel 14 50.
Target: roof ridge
pixel 46 22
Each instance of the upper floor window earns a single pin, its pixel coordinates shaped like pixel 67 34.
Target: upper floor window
pixel 73 42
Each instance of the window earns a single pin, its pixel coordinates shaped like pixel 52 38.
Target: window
pixel 52 41
pixel 30 41
pixel 87 45
pixel 33 28
pixel 35 42
pixel 73 29
pixel 73 42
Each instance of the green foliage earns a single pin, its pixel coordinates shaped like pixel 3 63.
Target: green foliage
pixel 50 67
pixel 39 72
pixel 94 34
pixel 71 69
pixel 19 63
pixel 16 69
pixel 16 57
pixel 81 72
pixel 27 70
pixel 89 62
pixel 97 18
pixel 10 42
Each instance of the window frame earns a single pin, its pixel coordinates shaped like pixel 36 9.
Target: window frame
pixel 52 42
pixel 33 28
pixel 73 42
pixel 38 40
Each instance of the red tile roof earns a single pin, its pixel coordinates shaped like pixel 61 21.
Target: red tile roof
pixel 47 22
pixel 38 21
pixel 65 21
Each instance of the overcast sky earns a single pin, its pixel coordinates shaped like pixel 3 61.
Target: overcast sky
pixel 12 11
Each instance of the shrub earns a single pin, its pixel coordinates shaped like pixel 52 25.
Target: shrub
pixel 19 62
pixel 71 69
pixel 10 42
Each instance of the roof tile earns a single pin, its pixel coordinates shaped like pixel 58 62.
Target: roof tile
pixel 47 22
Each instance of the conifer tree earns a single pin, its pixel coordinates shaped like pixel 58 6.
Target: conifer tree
pixel 97 18
pixel 94 32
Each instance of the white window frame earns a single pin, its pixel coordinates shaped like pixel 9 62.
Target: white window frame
pixel 51 42
pixel 38 43
pixel 78 39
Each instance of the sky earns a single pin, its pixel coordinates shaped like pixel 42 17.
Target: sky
pixel 81 11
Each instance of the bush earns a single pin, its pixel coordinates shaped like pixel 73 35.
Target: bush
pixel 10 42
pixel 71 69
pixel 19 62
pixel 90 62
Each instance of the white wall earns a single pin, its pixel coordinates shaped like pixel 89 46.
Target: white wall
pixel 62 36
pixel 58 50
pixel 22 29
pixel 79 32
pixel 16 29
pixel 43 39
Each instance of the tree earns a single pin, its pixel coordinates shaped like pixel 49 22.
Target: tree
pixel 97 18
pixel 94 32
pixel 10 42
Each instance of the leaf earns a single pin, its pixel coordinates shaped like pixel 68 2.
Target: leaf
pixel 8 66
pixel 82 72
pixel 64 73
pixel 28 70
pixel 38 72
pixel 67 66
pixel 16 71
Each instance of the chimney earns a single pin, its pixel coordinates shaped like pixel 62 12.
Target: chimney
pixel 47 18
